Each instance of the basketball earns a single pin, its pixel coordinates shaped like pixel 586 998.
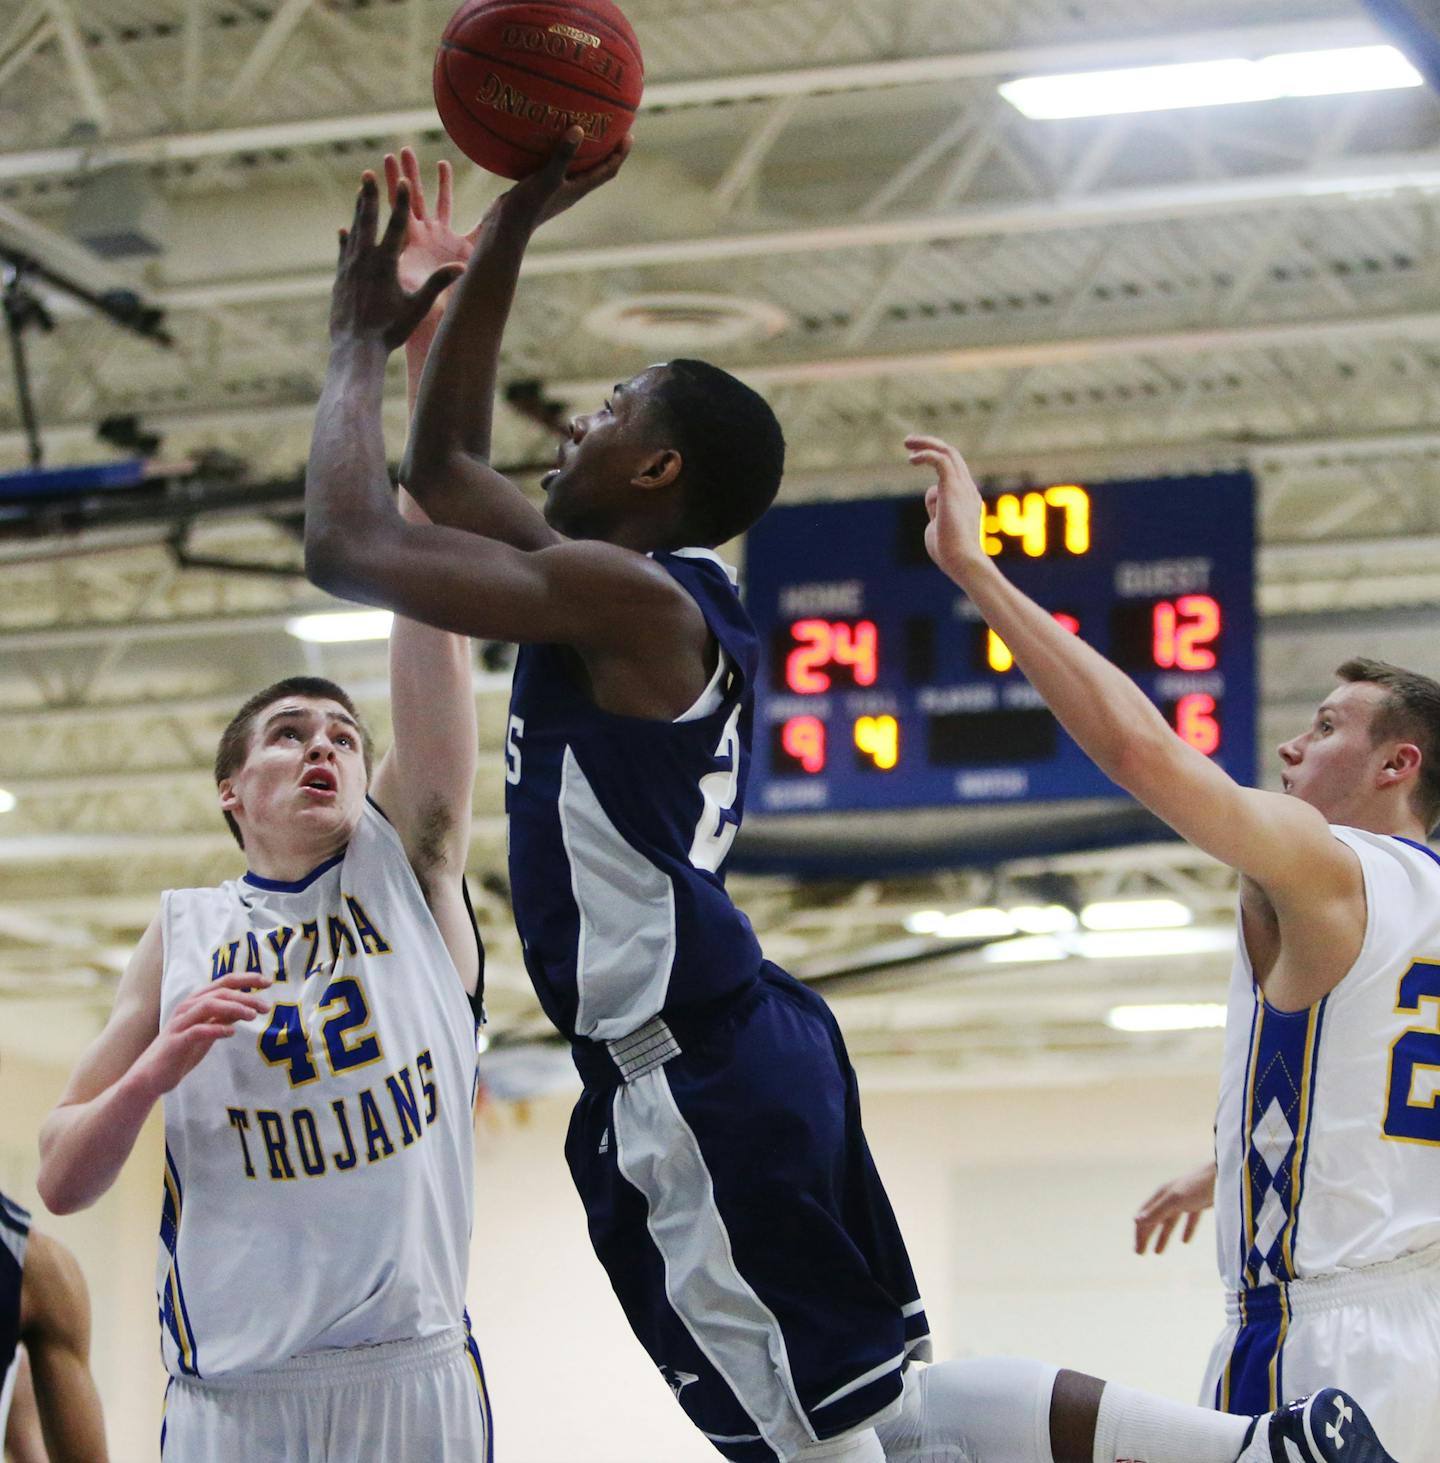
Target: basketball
pixel 512 75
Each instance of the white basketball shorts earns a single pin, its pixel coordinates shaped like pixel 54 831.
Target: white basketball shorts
pixel 1375 1332
pixel 420 1401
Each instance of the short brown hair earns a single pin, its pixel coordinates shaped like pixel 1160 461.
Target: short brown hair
pixel 235 739
pixel 1410 712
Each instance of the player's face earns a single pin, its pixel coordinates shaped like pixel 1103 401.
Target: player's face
pixel 304 772
pixel 1333 765
pixel 588 489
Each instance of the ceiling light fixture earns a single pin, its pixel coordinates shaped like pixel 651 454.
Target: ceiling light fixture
pixel 1199 1016
pixel 7 800
pixel 1042 919
pixel 1135 914
pixel 342 626
pixel 1149 944
pixel 983 923
pixel 1211 83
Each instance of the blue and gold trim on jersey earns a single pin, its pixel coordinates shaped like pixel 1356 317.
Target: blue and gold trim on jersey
pixel 482 1392
pixel 1279 1100
pixel 1280 1083
pixel 174 1316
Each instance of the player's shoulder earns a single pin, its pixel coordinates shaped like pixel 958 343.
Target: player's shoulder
pixel 1402 855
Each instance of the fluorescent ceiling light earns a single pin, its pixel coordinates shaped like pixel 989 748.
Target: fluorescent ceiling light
pixel 1211 83
pixel 7 800
pixel 1028 950
pixel 1198 1017
pixel 343 625
pixel 1135 914
pixel 977 924
pixel 925 921
pixel 1042 919
pixel 1142 944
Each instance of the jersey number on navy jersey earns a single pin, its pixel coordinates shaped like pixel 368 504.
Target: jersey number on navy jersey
pixel 1413 1116
pixel 716 830
pixel 515 731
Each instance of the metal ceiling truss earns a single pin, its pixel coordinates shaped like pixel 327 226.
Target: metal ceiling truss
pixel 1116 297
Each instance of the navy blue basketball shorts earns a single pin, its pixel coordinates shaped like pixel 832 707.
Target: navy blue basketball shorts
pixel 733 1201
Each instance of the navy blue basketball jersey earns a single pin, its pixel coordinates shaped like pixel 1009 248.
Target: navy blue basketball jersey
pixel 620 827
pixel 14 1236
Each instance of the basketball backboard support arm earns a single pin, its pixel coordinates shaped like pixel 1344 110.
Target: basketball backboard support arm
pixel 23 308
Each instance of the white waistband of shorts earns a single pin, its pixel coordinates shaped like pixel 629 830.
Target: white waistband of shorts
pixel 341 1366
pixel 1345 1287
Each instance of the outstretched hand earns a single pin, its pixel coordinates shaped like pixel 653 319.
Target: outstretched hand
pixel 551 190
pixel 1185 1198
pixel 952 537
pixel 369 302
pixel 430 236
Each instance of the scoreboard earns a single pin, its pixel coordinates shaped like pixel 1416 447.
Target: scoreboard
pixel 881 687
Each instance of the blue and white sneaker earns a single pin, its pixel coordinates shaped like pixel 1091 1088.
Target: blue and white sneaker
pixel 1329 1426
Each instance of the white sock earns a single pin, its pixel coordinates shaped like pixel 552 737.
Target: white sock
pixel 1138 1427
pixel 991 1411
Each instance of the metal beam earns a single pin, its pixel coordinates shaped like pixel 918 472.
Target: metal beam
pixel 82 75
pixel 723 90
pixel 1337 184
pixel 1017 356
pixel 264 53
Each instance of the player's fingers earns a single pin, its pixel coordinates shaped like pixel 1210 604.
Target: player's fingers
pixel 926 457
pixel 430 291
pixel 1192 1223
pixel 399 217
pixel 410 167
pixel 1166 1230
pixel 226 1009
pixel 344 239
pixel 392 176
pixel 444 191
pixel 241 981
pixel 598 173
pixel 367 210
pixel 564 154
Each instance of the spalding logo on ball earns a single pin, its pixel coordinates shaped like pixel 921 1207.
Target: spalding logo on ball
pixel 512 75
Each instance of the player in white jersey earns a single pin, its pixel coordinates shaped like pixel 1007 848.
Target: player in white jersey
pixel 310 1029
pixel 1329 1133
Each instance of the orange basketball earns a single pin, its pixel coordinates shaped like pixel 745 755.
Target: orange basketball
pixel 512 75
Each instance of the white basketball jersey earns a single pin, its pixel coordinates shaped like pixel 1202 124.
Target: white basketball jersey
pixel 1328 1130
pixel 318 1165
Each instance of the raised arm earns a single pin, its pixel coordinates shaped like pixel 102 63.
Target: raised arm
pixel 132 1063
pixel 599 598
pixel 55 1326
pixel 1282 843
pixel 447 460
pixel 424 784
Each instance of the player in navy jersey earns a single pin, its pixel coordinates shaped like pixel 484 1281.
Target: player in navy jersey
pixel 717 1142
pixel 45 1306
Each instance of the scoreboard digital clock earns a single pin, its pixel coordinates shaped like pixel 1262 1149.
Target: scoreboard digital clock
pixel 881 687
